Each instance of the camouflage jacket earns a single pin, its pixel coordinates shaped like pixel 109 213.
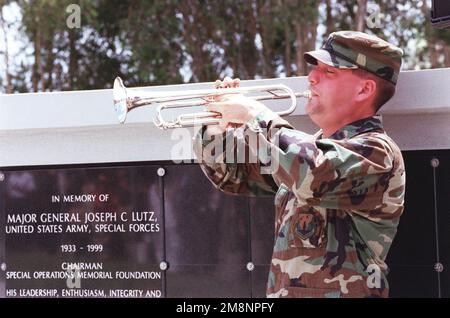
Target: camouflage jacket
pixel 338 202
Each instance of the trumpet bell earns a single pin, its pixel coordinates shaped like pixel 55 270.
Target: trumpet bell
pixel 120 100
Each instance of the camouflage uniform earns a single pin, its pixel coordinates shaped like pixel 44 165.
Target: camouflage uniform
pixel 338 202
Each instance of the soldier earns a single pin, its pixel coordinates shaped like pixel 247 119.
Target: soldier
pixel 340 192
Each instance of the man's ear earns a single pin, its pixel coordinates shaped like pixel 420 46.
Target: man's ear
pixel 367 89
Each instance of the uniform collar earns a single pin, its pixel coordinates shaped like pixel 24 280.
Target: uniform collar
pixel 360 126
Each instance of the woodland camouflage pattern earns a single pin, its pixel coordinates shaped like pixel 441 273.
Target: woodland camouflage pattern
pixel 338 203
pixel 351 49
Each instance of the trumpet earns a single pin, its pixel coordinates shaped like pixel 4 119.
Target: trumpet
pixel 126 100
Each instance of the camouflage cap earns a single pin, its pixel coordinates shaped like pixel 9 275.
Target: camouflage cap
pixel 351 49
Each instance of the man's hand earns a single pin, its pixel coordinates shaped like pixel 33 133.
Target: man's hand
pixel 236 109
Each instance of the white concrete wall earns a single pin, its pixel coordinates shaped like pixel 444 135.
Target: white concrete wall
pixel 81 126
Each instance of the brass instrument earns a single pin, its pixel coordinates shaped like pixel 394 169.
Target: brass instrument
pixel 126 100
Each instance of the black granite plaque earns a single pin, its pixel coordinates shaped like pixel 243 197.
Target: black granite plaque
pixel 416 227
pixel 259 280
pixel 2 236
pixel 413 251
pixel 83 233
pixel 262 219
pixel 216 280
pixel 413 281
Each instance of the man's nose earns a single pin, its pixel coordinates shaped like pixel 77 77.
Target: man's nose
pixel 313 77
